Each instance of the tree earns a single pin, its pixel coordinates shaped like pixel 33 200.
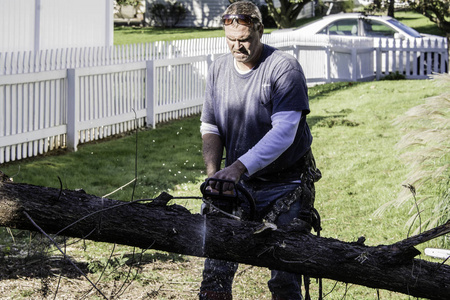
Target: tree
pixel 286 15
pixel 153 224
pixel 438 11
pixel 391 8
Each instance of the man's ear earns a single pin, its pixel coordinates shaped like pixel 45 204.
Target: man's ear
pixel 261 30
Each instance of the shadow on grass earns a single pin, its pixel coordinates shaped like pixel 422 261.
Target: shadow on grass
pixel 39 266
pixel 325 89
pixel 331 121
pixel 428 29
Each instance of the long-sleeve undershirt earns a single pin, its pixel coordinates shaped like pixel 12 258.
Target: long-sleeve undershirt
pixel 272 145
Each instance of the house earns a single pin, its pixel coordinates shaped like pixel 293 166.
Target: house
pixel 201 13
pixel 206 13
pixel 33 25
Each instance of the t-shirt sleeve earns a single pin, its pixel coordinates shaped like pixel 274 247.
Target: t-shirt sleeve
pixel 290 92
pixel 208 107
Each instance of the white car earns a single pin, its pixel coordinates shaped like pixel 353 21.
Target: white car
pixel 356 25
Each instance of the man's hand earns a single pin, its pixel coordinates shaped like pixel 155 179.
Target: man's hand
pixel 231 173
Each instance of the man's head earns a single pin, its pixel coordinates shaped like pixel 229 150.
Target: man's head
pixel 243 30
pixel 244 8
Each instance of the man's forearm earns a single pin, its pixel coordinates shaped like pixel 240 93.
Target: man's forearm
pixel 212 153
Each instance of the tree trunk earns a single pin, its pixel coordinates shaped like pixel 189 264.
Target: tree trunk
pixel 391 8
pixel 153 224
pixel 286 15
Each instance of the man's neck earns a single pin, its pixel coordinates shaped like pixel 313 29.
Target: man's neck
pixel 247 66
pixel 239 69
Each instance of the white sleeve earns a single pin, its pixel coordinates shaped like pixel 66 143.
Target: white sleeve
pixel 274 143
pixel 208 128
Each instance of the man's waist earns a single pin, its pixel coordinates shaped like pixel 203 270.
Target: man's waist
pixel 290 174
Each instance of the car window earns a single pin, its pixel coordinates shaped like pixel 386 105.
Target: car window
pixel 373 28
pixel 405 28
pixel 342 27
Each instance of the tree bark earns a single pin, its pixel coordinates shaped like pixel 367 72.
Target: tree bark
pixel 391 9
pixel 172 228
pixel 286 15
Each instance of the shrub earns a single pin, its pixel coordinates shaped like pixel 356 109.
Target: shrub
pixel 168 14
pixel 394 76
pixel 128 2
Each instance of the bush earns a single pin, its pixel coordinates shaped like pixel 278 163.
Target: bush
pixel 128 2
pixel 168 14
pixel 348 6
pixel 394 76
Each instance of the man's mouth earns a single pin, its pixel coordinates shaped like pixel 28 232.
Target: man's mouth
pixel 241 53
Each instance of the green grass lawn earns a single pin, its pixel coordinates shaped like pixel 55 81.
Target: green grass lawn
pixel 134 35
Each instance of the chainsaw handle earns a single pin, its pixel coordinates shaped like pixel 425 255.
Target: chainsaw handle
pixel 215 193
pixel 221 194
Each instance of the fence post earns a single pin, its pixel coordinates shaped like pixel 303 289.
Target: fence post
pixel 328 62
pixel 72 109
pixel 150 93
pixel 355 65
pixel 408 55
pixel 378 60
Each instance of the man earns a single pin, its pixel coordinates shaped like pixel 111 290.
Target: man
pixel 255 108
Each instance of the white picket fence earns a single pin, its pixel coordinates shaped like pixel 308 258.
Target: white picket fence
pixel 66 97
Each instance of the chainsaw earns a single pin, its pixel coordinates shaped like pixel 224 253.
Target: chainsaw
pixel 230 202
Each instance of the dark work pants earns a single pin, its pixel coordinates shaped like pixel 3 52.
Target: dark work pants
pixel 218 275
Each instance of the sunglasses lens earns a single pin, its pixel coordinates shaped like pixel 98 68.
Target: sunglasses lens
pixel 246 21
pixel 240 19
pixel 227 21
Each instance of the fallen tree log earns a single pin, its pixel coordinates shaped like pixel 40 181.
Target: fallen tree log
pixel 172 228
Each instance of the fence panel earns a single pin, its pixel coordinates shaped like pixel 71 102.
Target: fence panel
pixel 416 59
pixel 178 86
pixel 105 101
pixel 32 114
pixel 109 100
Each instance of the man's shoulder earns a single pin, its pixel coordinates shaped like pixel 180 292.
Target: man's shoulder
pixel 222 59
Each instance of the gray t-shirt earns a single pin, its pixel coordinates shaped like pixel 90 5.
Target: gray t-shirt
pixel 241 106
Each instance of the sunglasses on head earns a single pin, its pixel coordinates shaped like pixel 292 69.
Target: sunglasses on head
pixel 240 19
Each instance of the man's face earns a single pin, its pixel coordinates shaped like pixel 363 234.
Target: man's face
pixel 244 43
